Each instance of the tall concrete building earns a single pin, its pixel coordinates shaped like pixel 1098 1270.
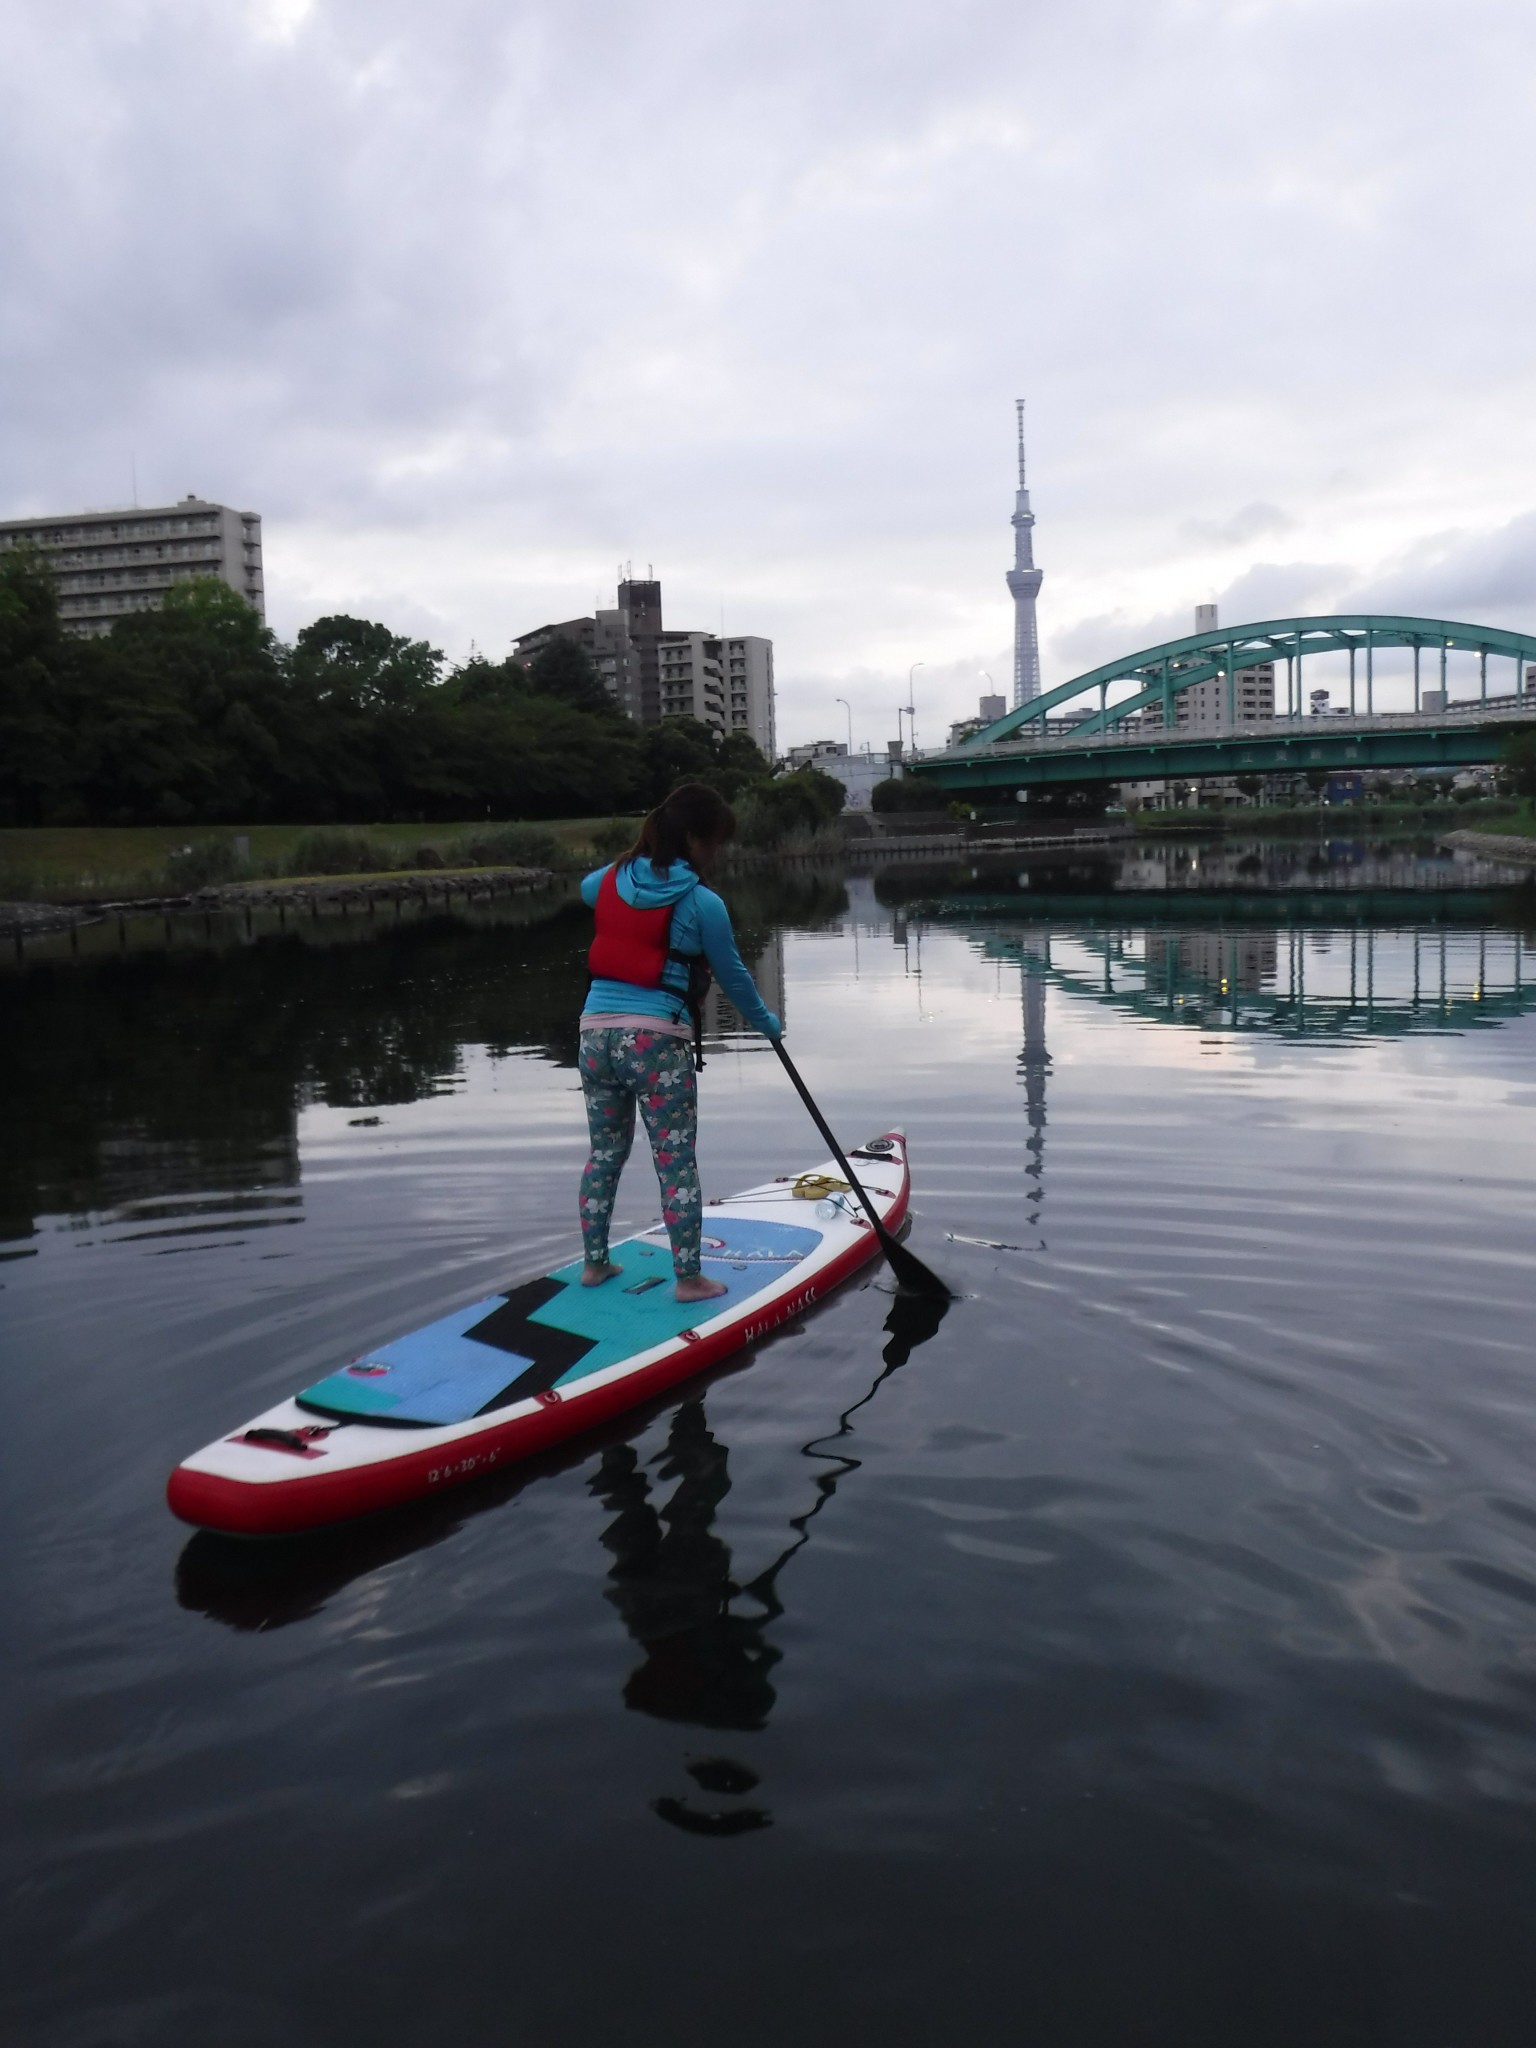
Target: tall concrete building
pixel 654 673
pixel 1024 581
pixel 109 564
pixel 1205 704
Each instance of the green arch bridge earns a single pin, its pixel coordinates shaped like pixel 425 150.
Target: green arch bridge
pixel 1138 737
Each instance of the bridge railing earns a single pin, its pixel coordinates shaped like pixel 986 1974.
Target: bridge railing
pixel 1332 724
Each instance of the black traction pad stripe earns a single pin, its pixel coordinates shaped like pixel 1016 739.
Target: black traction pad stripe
pixel 552 1352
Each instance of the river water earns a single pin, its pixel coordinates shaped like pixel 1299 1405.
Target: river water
pixel 1146 1654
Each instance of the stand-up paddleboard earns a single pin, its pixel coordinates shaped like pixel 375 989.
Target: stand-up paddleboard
pixel 516 1372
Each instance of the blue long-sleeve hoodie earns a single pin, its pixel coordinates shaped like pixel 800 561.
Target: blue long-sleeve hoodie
pixel 700 924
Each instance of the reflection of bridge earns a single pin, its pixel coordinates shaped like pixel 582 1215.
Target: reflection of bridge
pixel 1137 737
pixel 1291 982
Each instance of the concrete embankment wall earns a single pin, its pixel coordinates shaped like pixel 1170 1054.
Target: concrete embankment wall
pixel 1492 845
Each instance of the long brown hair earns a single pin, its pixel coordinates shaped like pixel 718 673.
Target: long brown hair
pixel 692 811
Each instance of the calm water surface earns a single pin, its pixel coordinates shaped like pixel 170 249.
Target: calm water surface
pixel 1147 1654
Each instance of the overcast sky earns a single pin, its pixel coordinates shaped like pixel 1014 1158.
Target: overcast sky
pixel 473 301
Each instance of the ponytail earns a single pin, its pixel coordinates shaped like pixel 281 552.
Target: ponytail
pixel 692 811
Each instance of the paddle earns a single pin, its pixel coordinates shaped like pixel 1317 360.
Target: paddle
pixel 909 1269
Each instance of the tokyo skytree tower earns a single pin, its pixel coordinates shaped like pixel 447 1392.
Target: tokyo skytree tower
pixel 1024 581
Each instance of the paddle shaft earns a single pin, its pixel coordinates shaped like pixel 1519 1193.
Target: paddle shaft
pixel 906 1265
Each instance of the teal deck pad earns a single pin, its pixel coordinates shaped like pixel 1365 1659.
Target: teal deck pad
pixel 451 1370
pixel 747 1253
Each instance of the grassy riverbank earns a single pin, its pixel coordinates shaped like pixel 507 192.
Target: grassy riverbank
pixel 61 862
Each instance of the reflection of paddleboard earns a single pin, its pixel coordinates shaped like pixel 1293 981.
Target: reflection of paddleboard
pixel 513 1373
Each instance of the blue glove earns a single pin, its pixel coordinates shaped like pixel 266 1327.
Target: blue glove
pixel 775 1028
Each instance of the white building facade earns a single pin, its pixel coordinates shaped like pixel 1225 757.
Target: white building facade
pixel 726 683
pixel 107 565
pixel 858 773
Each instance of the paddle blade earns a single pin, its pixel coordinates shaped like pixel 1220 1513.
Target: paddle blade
pixel 912 1276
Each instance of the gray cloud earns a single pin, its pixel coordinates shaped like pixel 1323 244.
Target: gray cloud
pixel 473 301
pixel 1251 522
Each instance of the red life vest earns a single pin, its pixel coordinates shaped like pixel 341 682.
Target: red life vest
pixel 630 944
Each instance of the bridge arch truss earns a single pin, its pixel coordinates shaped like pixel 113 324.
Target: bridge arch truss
pixel 1160 674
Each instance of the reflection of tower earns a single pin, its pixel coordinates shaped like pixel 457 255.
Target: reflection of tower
pixel 1035 1061
pixel 1024 581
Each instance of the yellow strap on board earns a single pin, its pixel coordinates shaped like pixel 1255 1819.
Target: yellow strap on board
pixel 815 1187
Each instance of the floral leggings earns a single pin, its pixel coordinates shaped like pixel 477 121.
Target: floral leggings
pixel 619 1069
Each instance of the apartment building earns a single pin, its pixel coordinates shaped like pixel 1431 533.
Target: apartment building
pixel 1205 704
pixel 109 564
pixel 653 673
pixel 605 639
pixel 1203 707
pixel 726 683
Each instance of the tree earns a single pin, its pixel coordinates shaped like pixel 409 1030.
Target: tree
pixel 902 793
pixel 566 671
pixel 184 712
pixel 29 607
pixel 1517 763
pixel 783 805
pixel 364 663
pixel 741 760
pixel 679 749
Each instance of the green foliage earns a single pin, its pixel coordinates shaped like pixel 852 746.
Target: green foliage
pixel 506 846
pixel 902 793
pixel 565 671
pixel 614 836
pixel 195 714
pixel 1517 763
pixel 789 806
pixel 203 864
pixel 332 850
pixel 680 749
pixel 741 762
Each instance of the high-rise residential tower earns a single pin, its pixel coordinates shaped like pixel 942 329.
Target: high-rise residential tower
pixel 1024 581
pixel 108 564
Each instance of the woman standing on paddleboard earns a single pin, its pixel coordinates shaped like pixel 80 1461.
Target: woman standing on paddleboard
pixel 656 924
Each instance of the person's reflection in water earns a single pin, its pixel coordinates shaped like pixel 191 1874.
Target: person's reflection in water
pixel 671 1583
pixel 706 1662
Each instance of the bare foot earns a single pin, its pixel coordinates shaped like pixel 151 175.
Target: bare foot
pixel 697 1287
pixel 594 1276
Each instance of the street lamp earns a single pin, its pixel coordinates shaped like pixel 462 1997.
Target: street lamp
pixel 911 708
pixel 849 709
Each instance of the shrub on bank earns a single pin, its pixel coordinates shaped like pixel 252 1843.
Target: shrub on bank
pixel 796 806
pixel 505 846
pixel 901 793
pixel 333 850
pixel 203 865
